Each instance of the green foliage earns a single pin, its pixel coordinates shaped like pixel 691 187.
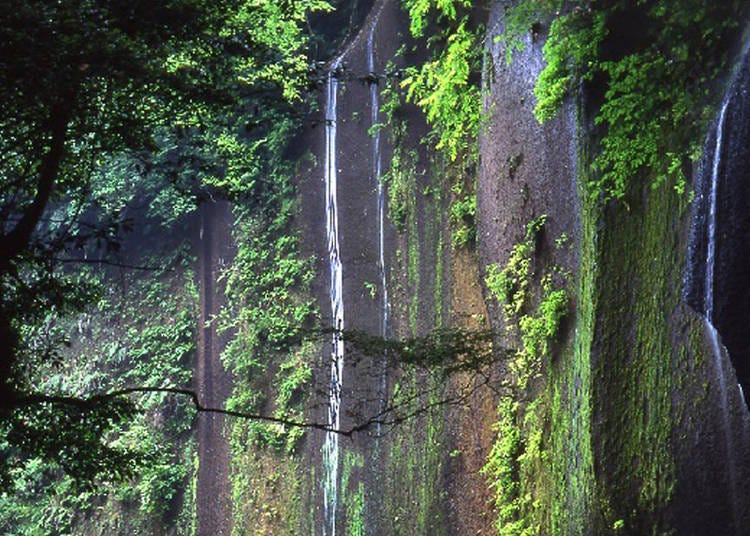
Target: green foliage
pixel 533 309
pixel 141 333
pixel 115 109
pixel 516 466
pixel 639 131
pixel 539 328
pixel 278 28
pixel 441 353
pixel 574 41
pixel 371 288
pixel 268 308
pixel 521 20
pixel 401 180
pixel 446 92
pixel 158 316
pixel 502 470
pixel 463 213
pixel 656 88
pixel 446 89
pixel 421 12
pixel 29 513
pixel 509 284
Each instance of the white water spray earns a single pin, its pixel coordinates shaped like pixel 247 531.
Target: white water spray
pixel 709 309
pixel 711 245
pixel 331 445
pixel 376 173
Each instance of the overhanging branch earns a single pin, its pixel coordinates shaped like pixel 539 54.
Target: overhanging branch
pixel 14 242
pixel 387 417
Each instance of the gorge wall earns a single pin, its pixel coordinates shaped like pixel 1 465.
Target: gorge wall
pixel 644 434
pixel 632 425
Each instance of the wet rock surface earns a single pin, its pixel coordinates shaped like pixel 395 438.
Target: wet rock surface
pixel 527 169
pixel 421 297
pixel 732 265
pixel 732 276
pixel 212 383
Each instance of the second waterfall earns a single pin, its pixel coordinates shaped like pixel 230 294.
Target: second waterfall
pixel 331 446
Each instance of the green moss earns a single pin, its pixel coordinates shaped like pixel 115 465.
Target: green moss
pixel 267 493
pixel 311 501
pixel 463 211
pixel 656 93
pixel 268 304
pixel 633 376
pixel 353 496
pixel 528 467
pixel 533 317
pixel 413 271
pixel 508 469
pixel 439 274
pixel 572 483
pixel 414 464
pixel 401 179
pixel 620 378
pixel 436 223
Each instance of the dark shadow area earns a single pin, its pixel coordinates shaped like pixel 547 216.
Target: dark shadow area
pixel 730 160
pixel 331 30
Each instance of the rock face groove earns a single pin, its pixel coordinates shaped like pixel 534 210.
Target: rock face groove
pixel 642 431
pixel 732 200
pixel 212 383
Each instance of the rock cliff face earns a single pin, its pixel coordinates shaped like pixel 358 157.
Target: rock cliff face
pixel 213 384
pixel 731 164
pixel 642 428
pixel 648 431
pixel 395 479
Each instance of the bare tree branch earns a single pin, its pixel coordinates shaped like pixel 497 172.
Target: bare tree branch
pixel 14 242
pixel 386 417
pixel 116 264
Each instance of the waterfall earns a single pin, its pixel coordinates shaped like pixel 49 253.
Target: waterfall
pixel 711 224
pixel 376 174
pixel 331 445
pixel 709 307
pixel 331 449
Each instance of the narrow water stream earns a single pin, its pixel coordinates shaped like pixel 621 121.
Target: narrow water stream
pixel 711 244
pixel 376 174
pixel 709 307
pixel 331 445
pixel 331 448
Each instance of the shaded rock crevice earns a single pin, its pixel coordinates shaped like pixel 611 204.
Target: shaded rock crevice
pixel 731 281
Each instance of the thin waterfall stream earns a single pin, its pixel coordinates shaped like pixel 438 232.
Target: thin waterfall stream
pixel 376 173
pixel 709 306
pixel 331 451
pixel 331 445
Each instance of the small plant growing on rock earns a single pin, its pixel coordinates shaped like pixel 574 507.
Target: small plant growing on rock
pixel 511 286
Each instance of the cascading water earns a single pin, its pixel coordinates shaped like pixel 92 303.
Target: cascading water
pixel 331 445
pixel 709 303
pixel 711 224
pixel 376 173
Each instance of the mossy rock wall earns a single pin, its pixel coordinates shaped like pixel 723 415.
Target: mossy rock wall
pixel 636 436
